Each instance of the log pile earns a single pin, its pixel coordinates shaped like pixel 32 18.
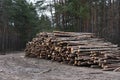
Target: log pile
pixel 78 49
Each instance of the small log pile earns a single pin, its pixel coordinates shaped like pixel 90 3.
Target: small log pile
pixel 78 49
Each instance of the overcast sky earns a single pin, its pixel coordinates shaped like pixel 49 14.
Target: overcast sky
pixel 46 1
pixel 32 0
pixel 38 0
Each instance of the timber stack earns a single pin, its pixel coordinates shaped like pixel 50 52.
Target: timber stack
pixel 78 49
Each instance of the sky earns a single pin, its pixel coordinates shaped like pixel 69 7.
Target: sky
pixel 31 0
pixel 47 12
pixel 38 0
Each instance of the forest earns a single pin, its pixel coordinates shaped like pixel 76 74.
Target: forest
pixel 21 20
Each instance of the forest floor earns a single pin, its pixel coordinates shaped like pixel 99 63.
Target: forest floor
pixel 16 67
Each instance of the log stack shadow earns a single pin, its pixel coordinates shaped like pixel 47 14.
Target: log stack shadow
pixel 78 49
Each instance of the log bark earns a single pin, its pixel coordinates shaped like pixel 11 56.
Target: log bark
pixel 78 49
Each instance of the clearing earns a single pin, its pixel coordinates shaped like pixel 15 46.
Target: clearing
pixel 15 66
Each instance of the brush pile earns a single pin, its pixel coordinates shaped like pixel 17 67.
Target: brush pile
pixel 78 49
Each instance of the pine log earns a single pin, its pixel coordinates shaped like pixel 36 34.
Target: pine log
pixel 79 49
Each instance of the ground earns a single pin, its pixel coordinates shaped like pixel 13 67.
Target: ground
pixel 16 67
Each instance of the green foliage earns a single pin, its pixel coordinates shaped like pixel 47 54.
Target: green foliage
pixel 44 24
pixel 84 11
pixel 24 19
pixel 40 6
pixel 71 14
pixel 78 8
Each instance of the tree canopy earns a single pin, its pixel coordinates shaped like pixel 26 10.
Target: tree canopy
pixel 21 18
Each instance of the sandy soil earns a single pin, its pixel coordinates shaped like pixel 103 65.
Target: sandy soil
pixel 17 67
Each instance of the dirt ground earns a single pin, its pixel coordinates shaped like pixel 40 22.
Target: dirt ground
pixel 17 67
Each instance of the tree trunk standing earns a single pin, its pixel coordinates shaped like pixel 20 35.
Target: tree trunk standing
pixel 91 16
pixel 63 16
pixel 119 19
pixel 111 19
pixel 104 16
pixel 56 17
pixel 77 25
pixel 0 25
pixel 73 23
pixel 87 24
pixel 114 22
pixel 52 15
pixel 66 25
pixel 98 19
pixel 95 22
pixel 3 26
pixel 108 28
pixel 107 17
pixel 0 38
pixel 60 17
pixel 3 41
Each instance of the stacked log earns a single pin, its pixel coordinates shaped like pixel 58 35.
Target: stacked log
pixel 78 49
